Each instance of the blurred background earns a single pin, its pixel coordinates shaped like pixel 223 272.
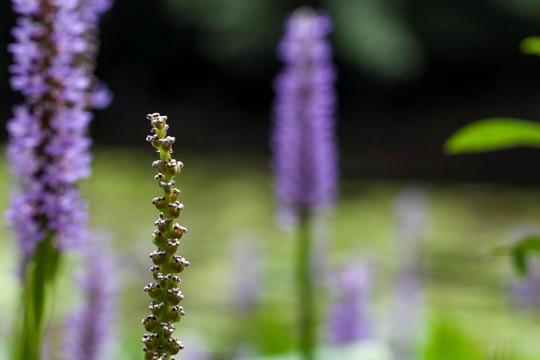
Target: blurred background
pixel 410 73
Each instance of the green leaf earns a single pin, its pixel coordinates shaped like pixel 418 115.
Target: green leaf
pixel 40 277
pixel 522 250
pixel 493 134
pixel 530 45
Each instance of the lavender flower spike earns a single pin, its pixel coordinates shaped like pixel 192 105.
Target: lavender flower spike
pixel 89 332
pixel 166 296
pixel 303 143
pixel 48 148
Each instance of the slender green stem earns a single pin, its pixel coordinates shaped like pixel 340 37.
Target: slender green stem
pixel 305 285
pixel 40 276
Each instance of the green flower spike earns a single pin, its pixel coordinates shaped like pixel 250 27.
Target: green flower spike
pixel 159 344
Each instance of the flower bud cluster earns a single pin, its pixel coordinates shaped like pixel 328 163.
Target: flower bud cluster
pixel 159 344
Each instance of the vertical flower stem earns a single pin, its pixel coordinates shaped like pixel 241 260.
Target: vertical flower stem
pixel 305 286
pixel 37 297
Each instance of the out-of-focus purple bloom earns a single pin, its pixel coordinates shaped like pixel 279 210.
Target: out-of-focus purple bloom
pixel 410 215
pixel 348 318
pixel 48 148
pixel 247 279
pixel 89 331
pixel 196 350
pixel 524 292
pixel 303 141
pixel 410 212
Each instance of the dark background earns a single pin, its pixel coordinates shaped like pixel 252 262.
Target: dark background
pixel 410 74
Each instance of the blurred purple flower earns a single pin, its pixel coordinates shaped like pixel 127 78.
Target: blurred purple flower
pixel 196 350
pixel 247 279
pixel 410 213
pixel 48 147
pixel 348 317
pixel 89 331
pixel 303 141
pixel 526 292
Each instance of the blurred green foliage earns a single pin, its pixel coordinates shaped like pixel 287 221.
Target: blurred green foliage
pixel 520 253
pixel 493 134
pixel 375 35
pixel 231 29
pixel 530 45
pixel 386 38
pixel 448 342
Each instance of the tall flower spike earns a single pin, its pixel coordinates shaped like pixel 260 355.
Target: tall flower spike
pixel 159 344
pixel 48 150
pixel 303 144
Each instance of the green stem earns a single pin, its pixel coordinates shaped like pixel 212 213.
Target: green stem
pixel 305 285
pixel 40 276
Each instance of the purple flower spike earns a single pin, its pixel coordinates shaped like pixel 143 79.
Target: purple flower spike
pixel 48 149
pixel 303 143
pixel 89 332
pixel 348 319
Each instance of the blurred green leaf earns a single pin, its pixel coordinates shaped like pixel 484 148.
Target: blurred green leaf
pixel 447 342
pixel 375 35
pixel 493 134
pixel 522 250
pixel 530 45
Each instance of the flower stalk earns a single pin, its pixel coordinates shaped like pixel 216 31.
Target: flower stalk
pixel 305 286
pixel 53 57
pixel 303 145
pixel 166 296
